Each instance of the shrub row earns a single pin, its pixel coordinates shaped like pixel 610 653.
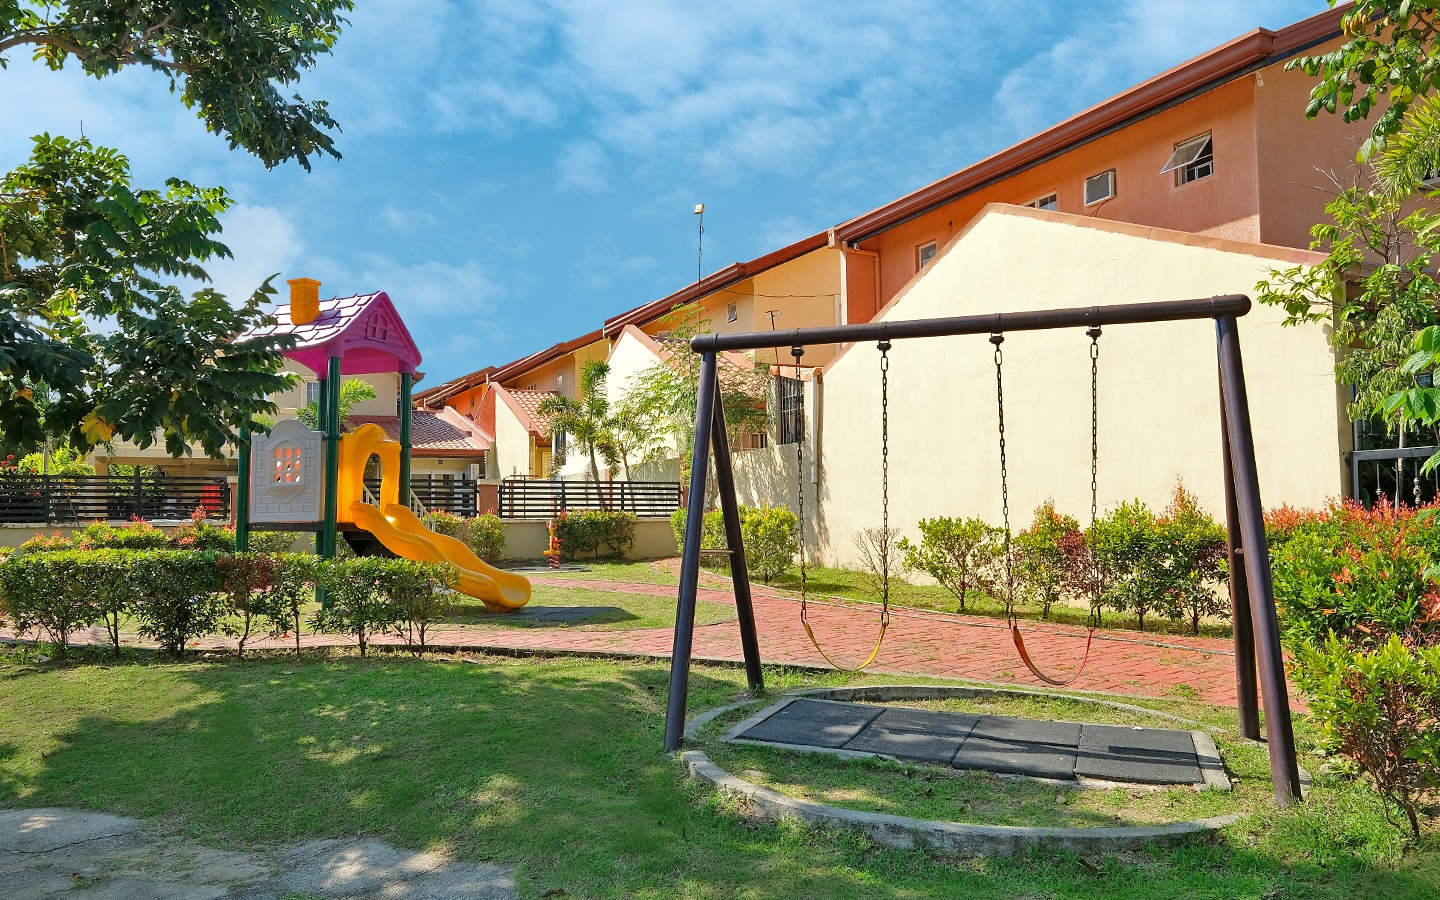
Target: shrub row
pixel 177 596
pixel 769 534
pixel 590 530
pixel 1358 592
pixel 199 534
pixel 484 534
pixel 1131 560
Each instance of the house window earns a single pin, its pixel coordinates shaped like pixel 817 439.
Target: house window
pixel 1049 201
pixel 559 448
pixel 752 441
pixel 792 412
pixel 732 312
pixel 1099 188
pixel 312 392
pixel 923 254
pixel 531 386
pixel 1192 160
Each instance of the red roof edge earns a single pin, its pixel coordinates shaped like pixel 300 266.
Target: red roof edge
pixel 715 281
pixel 526 363
pixel 1230 59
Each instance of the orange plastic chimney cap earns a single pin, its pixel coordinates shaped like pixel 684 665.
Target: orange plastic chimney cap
pixel 304 300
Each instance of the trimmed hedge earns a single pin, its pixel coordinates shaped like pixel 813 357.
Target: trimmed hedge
pixel 590 530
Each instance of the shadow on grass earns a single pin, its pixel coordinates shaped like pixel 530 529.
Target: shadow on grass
pixel 552 765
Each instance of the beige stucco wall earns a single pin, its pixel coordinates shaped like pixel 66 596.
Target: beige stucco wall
pixel 511 450
pixel 386 384
pixel 654 539
pixel 1159 412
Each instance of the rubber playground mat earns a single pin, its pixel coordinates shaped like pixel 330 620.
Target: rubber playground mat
pixel 1056 750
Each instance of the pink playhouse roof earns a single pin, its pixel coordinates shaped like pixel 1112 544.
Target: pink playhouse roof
pixel 364 331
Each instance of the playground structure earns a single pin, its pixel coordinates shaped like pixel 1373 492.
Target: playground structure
pixel 298 479
pixel 1256 630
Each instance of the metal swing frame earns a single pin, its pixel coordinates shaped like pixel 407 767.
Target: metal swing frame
pixel 1256 629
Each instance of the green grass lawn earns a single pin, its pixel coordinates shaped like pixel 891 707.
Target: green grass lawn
pixel 628 610
pixel 555 766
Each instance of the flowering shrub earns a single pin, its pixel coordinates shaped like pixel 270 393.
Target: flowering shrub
pixel 1052 559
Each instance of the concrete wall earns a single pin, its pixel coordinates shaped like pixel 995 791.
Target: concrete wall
pixel 1159 413
pixel 528 540
pixel 511 452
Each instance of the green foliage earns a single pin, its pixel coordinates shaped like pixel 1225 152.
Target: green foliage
pixel 1389 60
pixel 1052 559
pixel 712 533
pixel 666 394
pixel 1376 288
pixel 271 541
pixel 586 420
pixel 63 461
pixel 1363 574
pixel 353 392
pixel 769 534
pixel 587 531
pixel 229 62
pixel 293 588
pixel 358 605
pixel 1130 559
pixel 48 591
pixel 962 555
pixel 420 594
pixel 174 596
pixel 79 245
pixel 487 537
pixel 199 534
pixel 1379 707
pixel 249 581
pixel 1192 546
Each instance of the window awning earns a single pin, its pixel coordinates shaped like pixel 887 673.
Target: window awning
pixel 1187 153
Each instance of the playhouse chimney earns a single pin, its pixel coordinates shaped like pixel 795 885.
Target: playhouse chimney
pixel 304 300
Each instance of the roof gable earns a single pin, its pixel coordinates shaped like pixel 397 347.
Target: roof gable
pixel 364 331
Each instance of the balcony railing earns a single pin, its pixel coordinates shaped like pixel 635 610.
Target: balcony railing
pixel 74 499
pixel 438 493
pixel 542 498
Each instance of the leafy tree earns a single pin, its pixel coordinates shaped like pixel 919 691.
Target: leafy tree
pixel 586 420
pixel 668 392
pixel 229 62
pixel 63 461
pixel 636 431
pixel 353 392
pixel 1192 547
pixel 1131 559
pixel 1390 59
pixel 1051 558
pixel 92 345
pixel 962 555
pixel 1376 288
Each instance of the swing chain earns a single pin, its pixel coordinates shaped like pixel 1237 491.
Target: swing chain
pixel 997 339
pixel 797 353
pixel 1093 332
pixel 884 348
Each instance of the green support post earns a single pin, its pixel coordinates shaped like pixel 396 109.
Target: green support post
pixel 242 493
pixel 406 383
pixel 330 404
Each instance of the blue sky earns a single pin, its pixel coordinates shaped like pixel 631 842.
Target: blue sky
pixel 516 172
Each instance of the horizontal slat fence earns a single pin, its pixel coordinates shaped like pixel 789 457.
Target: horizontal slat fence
pixel 439 493
pixel 72 499
pixel 541 498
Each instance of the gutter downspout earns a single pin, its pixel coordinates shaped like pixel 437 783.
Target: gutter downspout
pixel 875 256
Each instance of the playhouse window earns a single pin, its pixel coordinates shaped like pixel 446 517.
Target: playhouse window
pixel 287 472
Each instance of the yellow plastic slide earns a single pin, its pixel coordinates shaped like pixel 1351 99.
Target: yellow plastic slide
pixel 401 531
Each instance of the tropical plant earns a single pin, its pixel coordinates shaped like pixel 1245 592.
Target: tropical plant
pixel 358 605
pixel 230 62
pixel 353 392
pixel 175 596
pixel 79 245
pixel 962 555
pixel 63 460
pixel 586 420
pixel 487 537
pixel 249 581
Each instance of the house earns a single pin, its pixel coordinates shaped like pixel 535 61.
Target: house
pixel 1217 146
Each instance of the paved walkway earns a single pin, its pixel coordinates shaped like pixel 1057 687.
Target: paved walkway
pixel 93 856
pixel 918 643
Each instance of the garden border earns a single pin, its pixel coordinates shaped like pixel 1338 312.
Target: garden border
pixel 907 833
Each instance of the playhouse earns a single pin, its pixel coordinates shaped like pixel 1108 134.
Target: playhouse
pixel 298 479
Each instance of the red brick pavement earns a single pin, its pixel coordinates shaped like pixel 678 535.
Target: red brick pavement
pixel 918 643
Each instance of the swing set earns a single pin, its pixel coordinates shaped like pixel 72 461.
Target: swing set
pixel 1256 631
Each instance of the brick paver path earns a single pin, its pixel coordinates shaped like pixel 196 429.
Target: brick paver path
pixel 918 643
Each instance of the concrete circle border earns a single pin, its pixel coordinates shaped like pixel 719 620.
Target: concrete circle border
pixel 951 838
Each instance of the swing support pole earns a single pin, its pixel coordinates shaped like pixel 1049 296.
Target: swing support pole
pixel 739 571
pixel 1257 646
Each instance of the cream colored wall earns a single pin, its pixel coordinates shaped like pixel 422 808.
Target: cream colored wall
pixel 528 539
pixel 1159 413
pixel 386 384
pixel 512 443
pixel 807 292
pixel 631 356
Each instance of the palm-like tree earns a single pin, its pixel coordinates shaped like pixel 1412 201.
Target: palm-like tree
pixel 353 392
pixel 586 420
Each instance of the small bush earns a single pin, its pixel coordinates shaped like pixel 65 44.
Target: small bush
pixel 770 541
pixel 249 582
pixel 175 598
pixel 357 605
pixel 294 587
pixel 1130 558
pixel 1052 559
pixel 587 531
pixel 270 542
pixel 1192 547
pixel 48 591
pixel 712 535
pixel 487 537
pixel 451 525
pixel 1381 709
pixel 419 593
pixel 962 555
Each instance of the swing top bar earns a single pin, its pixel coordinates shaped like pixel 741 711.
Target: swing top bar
pixel 1038 320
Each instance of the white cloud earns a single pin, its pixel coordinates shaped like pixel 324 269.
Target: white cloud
pixel 582 166
pixel 264 242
